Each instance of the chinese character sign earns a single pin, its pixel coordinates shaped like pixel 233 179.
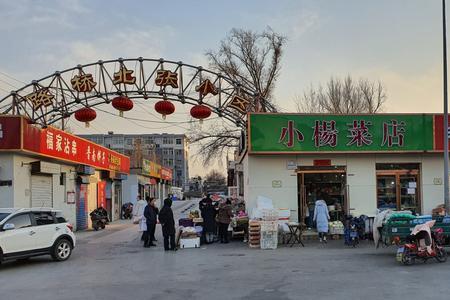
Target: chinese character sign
pixel 272 133
pixel 325 133
pixel 59 144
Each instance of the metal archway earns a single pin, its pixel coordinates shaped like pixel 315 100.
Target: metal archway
pixel 57 96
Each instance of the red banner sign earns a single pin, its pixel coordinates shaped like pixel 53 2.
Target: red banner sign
pixel 55 143
pixel 166 173
pixel 101 194
pixel 10 132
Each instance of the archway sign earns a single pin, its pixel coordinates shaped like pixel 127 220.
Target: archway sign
pixel 80 89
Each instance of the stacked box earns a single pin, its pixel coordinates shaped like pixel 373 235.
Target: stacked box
pixel 254 234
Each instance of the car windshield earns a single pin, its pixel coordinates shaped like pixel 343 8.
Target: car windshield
pixel 3 216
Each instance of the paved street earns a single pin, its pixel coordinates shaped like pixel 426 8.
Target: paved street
pixel 112 264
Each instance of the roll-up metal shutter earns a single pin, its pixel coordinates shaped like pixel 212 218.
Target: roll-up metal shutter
pixel 41 191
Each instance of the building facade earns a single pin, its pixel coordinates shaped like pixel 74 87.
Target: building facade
pixel 358 164
pixel 169 150
pixel 52 168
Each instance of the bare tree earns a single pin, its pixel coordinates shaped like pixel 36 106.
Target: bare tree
pixel 215 177
pixel 253 60
pixel 343 96
pixel 215 142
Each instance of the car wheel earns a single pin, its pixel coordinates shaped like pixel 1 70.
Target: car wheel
pixel 62 250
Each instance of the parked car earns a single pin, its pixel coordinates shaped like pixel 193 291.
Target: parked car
pixel 31 232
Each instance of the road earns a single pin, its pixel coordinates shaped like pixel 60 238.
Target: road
pixel 112 264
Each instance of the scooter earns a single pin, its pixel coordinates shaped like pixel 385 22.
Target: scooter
pixel 127 210
pixel 423 244
pixel 99 218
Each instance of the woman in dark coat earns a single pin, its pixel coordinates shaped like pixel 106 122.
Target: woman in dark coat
pixel 208 212
pixel 150 218
pixel 167 225
pixel 224 220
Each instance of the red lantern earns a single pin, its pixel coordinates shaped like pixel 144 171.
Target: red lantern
pixel 200 112
pixel 122 104
pixel 165 108
pixel 85 115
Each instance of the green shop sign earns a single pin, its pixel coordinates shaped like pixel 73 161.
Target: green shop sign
pixel 280 133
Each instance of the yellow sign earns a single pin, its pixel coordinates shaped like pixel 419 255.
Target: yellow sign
pixel 151 168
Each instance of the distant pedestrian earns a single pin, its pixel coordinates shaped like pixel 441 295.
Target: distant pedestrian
pixel 224 220
pixel 167 225
pixel 156 209
pixel 138 215
pixel 150 218
pixel 208 213
pixel 321 217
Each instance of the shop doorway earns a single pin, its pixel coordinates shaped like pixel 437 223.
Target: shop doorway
pixel 329 182
pixel 398 187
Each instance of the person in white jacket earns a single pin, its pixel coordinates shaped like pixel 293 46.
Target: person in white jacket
pixel 138 215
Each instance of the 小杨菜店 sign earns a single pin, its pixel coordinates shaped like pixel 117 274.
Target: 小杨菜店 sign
pixel 281 133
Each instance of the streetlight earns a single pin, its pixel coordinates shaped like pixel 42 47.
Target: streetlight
pixel 446 179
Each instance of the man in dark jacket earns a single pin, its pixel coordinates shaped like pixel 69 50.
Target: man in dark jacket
pixel 150 218
pixel 208 212
pixel 167 225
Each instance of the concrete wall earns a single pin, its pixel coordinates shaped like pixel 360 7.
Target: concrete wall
pixel 130 189
pixel 7 173
pixel 17 168
pixel 260 171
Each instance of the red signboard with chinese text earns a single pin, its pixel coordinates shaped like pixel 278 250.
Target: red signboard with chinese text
pixel 101 194
pixel 58 144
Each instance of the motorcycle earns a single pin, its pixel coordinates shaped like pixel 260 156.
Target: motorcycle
pixel 353 231
pixel 423 244
pixel 127 210
pixel 99 218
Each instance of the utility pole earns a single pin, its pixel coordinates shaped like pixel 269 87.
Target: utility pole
pixel 446 179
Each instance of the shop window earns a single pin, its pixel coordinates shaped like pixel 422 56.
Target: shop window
pixel 398 186
pixel 43 218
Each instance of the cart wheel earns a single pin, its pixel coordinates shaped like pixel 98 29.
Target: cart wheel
pixel 407 259
pixel 441 255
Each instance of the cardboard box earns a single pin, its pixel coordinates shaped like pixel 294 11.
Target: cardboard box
pixel 190 243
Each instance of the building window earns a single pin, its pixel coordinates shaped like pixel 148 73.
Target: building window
pixel 178 152
pixel 129 141
pixel 398 186
pixel 167 140
pixel 178 141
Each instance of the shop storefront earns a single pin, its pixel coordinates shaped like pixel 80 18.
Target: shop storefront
pixel 151 180
pixel 359 163
pixel 52 168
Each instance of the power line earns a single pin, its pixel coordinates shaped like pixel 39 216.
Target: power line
pixel 10 77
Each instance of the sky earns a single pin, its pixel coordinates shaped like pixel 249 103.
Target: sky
pixel 398 42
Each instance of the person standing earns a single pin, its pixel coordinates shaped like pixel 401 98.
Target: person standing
pixel 224 220
pixel 150 219
pixel 208 213
pixel 321 217
pixel 156 209
pixel 168 225
pixel 138 215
